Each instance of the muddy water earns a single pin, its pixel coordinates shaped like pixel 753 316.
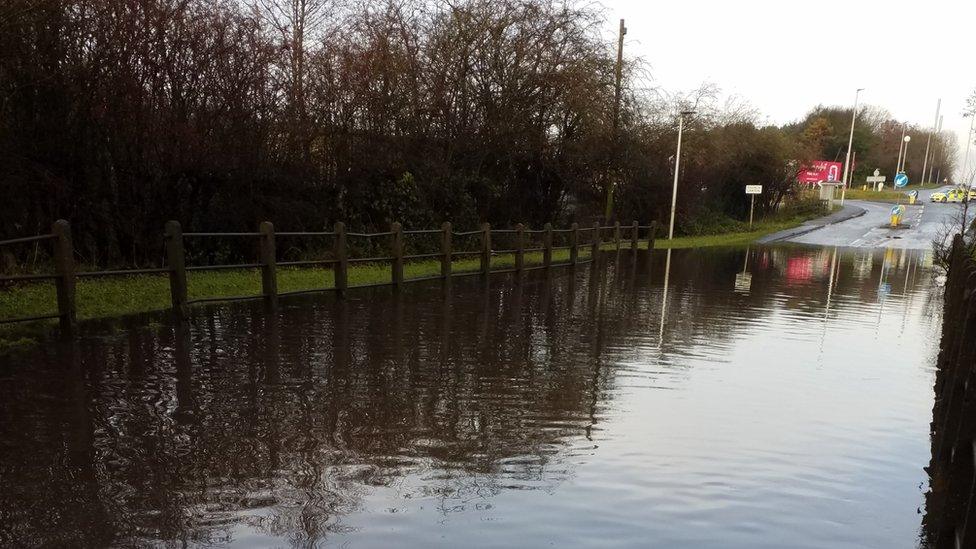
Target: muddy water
pixel 723 398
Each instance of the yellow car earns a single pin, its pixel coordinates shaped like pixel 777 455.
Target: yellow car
pixel 955 195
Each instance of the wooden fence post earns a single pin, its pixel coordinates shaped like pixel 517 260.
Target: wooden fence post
pixel 269 270
pixel 547 246
pixel 574 244
pixel 342 258
pixel 616 235
pixel 176 261
pixel 595 251
pixel 519 247
pixel 650 236
pixel 446 249
pixel 397 249
pixel 64 262
pixel 485 248
pixel 634 235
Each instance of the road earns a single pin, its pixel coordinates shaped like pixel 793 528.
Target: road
pixel 924 223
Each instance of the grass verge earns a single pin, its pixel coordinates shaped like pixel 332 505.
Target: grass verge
pixel 98 298
pixel 120 296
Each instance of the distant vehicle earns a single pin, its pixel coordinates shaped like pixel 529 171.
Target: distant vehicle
pixel 954 195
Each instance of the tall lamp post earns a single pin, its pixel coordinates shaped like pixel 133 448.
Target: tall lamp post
pixel 850 143
pixel 901 144
pixel 677 166
pixel 904 156
pixel 969 141
pixel 928 142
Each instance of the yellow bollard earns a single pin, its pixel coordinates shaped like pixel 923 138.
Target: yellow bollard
pixel 896 213
pixel 911 199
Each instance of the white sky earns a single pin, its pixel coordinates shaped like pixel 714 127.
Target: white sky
pixel 785 57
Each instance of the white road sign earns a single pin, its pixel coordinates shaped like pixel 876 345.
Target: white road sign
pixel 753 189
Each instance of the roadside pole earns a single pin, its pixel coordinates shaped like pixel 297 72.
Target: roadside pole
pixel 752 191
pixel 850 143
pixel 901 144
pixel 677 170
pixel 928 142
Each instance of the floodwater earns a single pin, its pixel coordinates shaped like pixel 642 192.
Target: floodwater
pixel 775 397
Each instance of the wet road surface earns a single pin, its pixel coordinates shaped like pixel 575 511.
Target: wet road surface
pixel 772 397
pixel 924 223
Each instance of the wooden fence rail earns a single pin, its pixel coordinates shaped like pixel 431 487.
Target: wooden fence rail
pixel 65 274
pixel 950 520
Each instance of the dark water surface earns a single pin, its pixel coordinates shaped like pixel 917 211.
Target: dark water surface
pixel 785 407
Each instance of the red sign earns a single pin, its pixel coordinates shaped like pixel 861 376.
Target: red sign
pixel 820 170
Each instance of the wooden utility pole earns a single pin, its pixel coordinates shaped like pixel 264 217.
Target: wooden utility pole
pixel 618 76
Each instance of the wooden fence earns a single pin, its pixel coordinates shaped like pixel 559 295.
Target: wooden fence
pixel 65 275
pixel 951 503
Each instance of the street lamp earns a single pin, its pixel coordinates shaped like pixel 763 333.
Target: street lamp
pixel 902 146
pixel 677 166
pixel 850 142
pixel 928 142
pixel 904 157
pixel 969 141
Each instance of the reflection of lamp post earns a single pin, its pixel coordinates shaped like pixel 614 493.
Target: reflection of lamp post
pixel 664 299
pixel 850 142
pixel 677 165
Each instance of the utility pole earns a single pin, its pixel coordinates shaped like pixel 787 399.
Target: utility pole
pixel 618 76
pixel 928 142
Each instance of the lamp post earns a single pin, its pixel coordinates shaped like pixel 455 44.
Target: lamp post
pixel 969 141
pixel 850 142
pixel 928 142
pixel 901 144
pixel 677 166
pixel 904 156
pixel 935 151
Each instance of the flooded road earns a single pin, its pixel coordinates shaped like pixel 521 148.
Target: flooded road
pixel 775 397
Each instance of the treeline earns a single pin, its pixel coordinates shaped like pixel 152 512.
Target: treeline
pixel 876 142
pixel 119 115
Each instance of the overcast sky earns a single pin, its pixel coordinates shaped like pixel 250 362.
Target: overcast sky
pixel 785 57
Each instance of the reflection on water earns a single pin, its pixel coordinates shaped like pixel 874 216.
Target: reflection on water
pixel 766 397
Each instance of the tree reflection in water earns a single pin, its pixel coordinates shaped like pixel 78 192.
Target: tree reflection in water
pixel 284 422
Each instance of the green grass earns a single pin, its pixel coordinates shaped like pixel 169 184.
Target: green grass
pixel 99 298
pixel 878 196
pixel 739 238
pixel 894 196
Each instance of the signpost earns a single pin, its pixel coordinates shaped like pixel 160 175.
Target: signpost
pixel 752 191
pixel 901 179
pixel 877 179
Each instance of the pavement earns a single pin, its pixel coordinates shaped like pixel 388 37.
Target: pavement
pixel 849 211
pixel 923 223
